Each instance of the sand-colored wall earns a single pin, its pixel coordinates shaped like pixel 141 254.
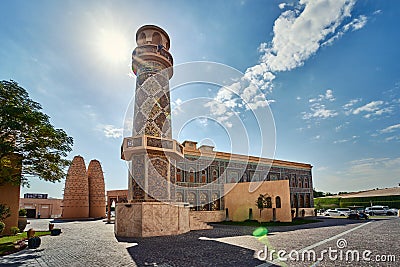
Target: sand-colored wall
pixel 239 199
pixel 144 219
pixel 209 216
pixel 48 208
pixel 9 195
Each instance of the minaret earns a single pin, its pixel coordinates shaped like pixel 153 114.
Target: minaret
pixel 151 151
pixel 75 203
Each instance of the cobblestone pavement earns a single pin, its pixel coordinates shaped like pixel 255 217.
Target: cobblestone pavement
pixel 93 243
pixel 89 243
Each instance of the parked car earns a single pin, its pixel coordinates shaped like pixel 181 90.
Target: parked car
pixel 377 210
pixel 392 211
pixel 344 210
pixel 335 212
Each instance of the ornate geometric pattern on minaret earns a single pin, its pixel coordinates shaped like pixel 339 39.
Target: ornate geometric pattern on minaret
pixel 150 170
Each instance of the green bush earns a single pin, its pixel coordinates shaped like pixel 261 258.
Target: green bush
pixel 2 226
pixel 22 212
pixel 4 212
pixel 14 230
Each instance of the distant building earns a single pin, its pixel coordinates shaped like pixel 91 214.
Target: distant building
pixel 39 205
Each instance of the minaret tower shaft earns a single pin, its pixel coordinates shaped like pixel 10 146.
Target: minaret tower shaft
pixel 151 151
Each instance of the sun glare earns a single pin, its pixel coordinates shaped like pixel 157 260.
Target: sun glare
pixel 113 46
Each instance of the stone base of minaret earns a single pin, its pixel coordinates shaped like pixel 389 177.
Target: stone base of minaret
pixel 151 210
pixel 146 219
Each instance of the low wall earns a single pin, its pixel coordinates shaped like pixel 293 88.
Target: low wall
pixel 210 216
pixel 144 219
pixel 9 196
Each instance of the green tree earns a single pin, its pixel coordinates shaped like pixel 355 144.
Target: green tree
pixel 261 202
pixel 28 139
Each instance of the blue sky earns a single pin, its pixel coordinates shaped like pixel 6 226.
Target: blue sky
pixel 329 70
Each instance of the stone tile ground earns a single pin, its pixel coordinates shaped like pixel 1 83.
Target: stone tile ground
pixel 93 243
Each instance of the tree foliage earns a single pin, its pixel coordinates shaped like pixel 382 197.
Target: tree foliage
pixel 261 202
pixel 28 140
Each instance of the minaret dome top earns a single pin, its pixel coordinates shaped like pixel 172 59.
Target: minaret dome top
pixel 152 34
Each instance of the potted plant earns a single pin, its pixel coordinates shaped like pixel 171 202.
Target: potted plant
pixel 22 221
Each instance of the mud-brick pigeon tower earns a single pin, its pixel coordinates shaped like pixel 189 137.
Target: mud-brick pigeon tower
pixel 151 152
pixel 97 198
pixel 76 192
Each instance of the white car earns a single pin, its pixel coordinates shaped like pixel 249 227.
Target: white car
pixel 376 210
pixel 336 212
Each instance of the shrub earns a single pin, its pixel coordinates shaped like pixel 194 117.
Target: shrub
pixel 22 212
pixel 2 226
pixel 4 212
pixel 14 230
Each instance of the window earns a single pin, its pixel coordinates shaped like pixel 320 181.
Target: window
pixel 278 202
pixel 268 202
pixel 178 175
pixel 179 197
pixel 191 176
pixel 214 175
pixel 203 176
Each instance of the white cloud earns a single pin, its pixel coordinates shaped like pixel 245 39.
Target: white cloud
pixel 327 96
pixel 354 25
pixel 110 131
pixel 377 12
pixel 353 138
pixel 297 35
pixel 391 128
pixel 319 110
pixel 374 108
pixel 348 108
pixel 370 107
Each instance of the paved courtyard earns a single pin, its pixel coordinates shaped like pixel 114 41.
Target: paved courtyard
pixel 92 243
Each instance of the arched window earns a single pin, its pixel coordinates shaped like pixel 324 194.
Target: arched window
pixel 301 197
pixel 203 201
pixel 295 201
pixel 308 201
pixel 142 38
pixel 214 175
pixel 215 202
pixel 305 183
pixel 179 197
pixel 278 202
pixel 192 199
pixel 178 175
pixel 191 175
pixel 203 176
pixel 300 184
pixel 268 202
pixel 156 39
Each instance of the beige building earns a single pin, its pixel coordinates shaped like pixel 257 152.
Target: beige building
pixel 39 206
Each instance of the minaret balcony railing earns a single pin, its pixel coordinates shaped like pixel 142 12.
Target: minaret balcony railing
pixel 140 144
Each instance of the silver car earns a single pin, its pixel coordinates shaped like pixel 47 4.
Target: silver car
pixel 335 212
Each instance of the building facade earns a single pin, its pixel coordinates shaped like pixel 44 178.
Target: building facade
pixel 201 177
